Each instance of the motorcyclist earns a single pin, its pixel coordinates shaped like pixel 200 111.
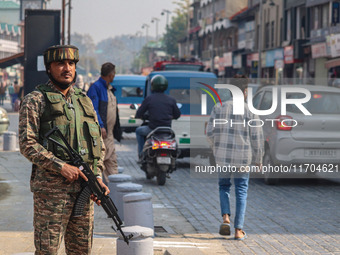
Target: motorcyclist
pixel 161 110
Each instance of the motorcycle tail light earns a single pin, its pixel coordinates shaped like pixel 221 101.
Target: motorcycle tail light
pixel 163 144
pixel 155 144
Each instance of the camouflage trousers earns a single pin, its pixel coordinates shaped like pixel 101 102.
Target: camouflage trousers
pixel 53 221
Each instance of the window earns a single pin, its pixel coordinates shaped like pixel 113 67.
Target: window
pixel 256 100
pixel 298 23
pixel 320 103
pixel 258 36
pixel 267 35
pixel 325 15
pixel 317 17
pixel 288 26
pixel 280 30
pixel 132 92
pixel 267 101
pixel 182 96
pixel 272 34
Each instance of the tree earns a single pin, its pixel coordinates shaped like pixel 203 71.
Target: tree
pixel 178 27
pixel 87 57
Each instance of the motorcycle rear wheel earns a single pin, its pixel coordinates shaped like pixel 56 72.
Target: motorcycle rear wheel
pixel 161 178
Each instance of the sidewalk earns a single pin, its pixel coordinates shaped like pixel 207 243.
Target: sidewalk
pixel 295 217
pixel 16 208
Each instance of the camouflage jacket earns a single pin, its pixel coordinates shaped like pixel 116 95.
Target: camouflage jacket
pixel 46 166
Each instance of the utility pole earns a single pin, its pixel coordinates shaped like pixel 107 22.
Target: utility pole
pixel 188 29
pixel 212 38
pixel 69 22
pixel 167 12
pixel 146 26
pixel 261 33
pixel 63 22
pixel 156 20
pixel 259 62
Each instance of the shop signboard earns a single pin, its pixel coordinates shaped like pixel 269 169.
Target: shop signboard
pixel 279 64
pixel 289 54
pixel 273 55
pixel 319 50
pixel 228 58
pixel 335 45
pixel 237 61
pixel 252 57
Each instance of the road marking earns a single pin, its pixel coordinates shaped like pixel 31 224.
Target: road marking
pixel 9 181
pixel 165 244
pixel 160 206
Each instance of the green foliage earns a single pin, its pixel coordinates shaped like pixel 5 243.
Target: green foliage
pixel 87 57
pixel 141 60
pixel 178 27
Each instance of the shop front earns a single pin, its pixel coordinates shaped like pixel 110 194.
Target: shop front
pixel 272 65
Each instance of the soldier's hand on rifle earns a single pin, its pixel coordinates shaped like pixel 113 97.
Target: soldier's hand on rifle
pixel 107 191
pixel 72 173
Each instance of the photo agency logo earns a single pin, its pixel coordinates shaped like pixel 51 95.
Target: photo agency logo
pixel 204 106
pixel 280 98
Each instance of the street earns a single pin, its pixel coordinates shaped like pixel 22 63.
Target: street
pixel 294 217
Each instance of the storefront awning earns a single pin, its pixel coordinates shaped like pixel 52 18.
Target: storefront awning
pixel 12 60
pixel 332 63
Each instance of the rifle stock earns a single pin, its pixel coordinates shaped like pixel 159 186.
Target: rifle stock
pixel 89 187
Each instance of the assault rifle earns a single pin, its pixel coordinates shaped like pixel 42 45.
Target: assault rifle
pixel 89 187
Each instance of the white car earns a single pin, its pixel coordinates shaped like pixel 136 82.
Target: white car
pixel 301 143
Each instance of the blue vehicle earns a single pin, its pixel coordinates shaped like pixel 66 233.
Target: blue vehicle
pixel 129 90
pixel 185 87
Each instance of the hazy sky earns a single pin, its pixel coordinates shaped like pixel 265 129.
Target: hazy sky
pixel 108 18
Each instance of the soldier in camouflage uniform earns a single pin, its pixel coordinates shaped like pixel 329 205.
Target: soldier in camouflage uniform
pixel 55 182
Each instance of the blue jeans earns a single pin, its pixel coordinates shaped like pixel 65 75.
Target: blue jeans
pixel 141 133
pixel 241 181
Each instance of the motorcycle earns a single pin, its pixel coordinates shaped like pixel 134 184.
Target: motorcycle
pixel 159 154
pixel 160 151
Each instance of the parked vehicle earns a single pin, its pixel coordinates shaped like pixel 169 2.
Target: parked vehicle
pixel 303 142
pixel 179 65
pixel 129 90
pixel 159 154
pixel 190 127
pixel 4 120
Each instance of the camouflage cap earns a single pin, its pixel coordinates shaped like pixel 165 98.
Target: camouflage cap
pixel 61 52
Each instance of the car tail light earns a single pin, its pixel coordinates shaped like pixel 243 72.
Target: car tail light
pixel 163 144
pixel 283 123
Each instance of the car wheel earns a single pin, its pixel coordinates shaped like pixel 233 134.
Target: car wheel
pixel 269 177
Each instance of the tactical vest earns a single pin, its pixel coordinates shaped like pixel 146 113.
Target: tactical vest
pixel 76 122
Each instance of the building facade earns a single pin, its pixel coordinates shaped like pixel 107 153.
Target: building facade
pixel 293 41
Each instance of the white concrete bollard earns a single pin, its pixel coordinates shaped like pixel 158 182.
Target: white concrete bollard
pixel 10 140
pixel 120 169
pixel 138 210
pixel 140 244
pixel 114 180
pixel 124 189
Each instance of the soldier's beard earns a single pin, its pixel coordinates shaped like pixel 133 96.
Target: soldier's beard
pixel 61 85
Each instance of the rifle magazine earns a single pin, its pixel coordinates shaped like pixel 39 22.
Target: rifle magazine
pixel 81 201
